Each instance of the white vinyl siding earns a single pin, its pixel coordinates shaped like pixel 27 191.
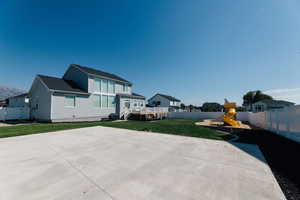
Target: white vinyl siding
pixel 70 101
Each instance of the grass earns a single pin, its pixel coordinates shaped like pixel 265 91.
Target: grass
pixel 184 127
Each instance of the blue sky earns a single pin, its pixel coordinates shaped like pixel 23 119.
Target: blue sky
pixel 197 51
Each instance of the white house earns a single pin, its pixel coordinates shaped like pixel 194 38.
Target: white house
pixel 162 100
pixel 82 94
pixel 267 104
pixel 18 101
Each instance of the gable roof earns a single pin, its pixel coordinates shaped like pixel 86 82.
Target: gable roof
pixel 103 74
pixel 60 85
pixel 170 98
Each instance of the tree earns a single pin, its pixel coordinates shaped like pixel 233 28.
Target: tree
pixel 212 107
pixel 191 107
pixel 252 97
pixel 182 106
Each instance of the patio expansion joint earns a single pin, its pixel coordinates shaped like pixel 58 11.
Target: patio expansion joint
pixel 83 174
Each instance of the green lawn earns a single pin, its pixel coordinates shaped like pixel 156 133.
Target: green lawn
pixel 185 127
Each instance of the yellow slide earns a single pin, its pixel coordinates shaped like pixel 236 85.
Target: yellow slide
pixel 230 114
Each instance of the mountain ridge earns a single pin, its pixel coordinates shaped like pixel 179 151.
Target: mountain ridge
pixel 8 91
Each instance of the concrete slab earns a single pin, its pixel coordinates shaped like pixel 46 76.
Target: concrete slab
pixel 108 163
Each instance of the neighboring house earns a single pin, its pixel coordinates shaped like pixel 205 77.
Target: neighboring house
pixel 3 103
pixel 19 101
pixel 162 100
pixel 267 104
pixel 82 94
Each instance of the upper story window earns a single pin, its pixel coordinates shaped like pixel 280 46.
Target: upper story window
pixel 97 85
pixel 104 86
pixel 125 88
pixel 111 87
pixel 70 101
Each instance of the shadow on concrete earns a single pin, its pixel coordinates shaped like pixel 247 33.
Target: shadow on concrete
pixel 280 153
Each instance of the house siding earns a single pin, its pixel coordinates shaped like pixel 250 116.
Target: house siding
pixel 17 102
pixel 163 101
pixel 40 101
pixel 84 109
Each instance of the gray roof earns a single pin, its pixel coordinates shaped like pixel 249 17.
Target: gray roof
pixel 97 72
pixel 21 95
pixel 168 97
pixel 276 102
pixel 133 95
pixel 61 85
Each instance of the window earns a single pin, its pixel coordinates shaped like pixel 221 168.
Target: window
pixel 104 86
pixel 70 101
pixel 104 101
pixel 111 87
pixel 127 104
pixel 97 85
pixel 125 88
pixel 97 100
pixel 111 101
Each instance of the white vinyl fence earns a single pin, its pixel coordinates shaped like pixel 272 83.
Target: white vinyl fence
pixel 18 113
pixel 285 122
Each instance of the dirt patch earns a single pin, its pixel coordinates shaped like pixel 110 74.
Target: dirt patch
pixel 216 124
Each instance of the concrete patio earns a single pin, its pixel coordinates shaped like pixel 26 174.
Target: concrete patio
pixel 108 163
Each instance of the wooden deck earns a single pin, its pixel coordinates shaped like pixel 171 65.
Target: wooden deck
pixel 149 114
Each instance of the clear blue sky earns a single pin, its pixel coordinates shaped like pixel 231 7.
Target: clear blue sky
pixel 197 51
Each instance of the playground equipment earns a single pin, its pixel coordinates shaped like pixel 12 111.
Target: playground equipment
pixel 230 114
